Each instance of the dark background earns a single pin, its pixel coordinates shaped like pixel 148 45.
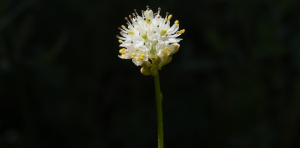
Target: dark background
pixel 234 82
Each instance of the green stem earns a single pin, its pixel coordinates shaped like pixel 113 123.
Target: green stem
pixel 159 112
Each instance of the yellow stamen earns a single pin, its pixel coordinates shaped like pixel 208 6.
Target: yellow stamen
pixel 168 48
pixel 132 57
pixel 165 54
pixel 170 16
pixel 141 58
pixel 117 36
pixel 137 59
pixel 183 30
pixel 142 55
pixel 177 22
pixel 166 34
pixel 166 19
pixel 177 32
pixel 131 32
pixel 123 26
pixel 120 41
pixel 137 49
pixel 162 50
pixel 122 50
pixel 133 54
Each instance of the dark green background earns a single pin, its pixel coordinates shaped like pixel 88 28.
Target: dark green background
pixel 234 83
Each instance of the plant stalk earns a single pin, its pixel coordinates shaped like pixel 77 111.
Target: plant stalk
pixel 159 112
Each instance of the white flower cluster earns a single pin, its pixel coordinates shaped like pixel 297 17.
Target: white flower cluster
pixel 149 37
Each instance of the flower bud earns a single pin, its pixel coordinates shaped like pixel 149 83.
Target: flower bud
pixel 176 48
pixel 165 61
pixel 155 60
pixel 146 64
pixel 153 71
pixel 145 71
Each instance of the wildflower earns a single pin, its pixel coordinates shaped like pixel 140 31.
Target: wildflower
pixel 149 36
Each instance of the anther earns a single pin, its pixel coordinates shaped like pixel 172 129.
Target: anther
pixel 147 6
pixel 120 41
pixel 166 34
pixel 119 28
pixel 133 14
pixel 177 22
pixel 130 16
pixel 170 16
pixel 158 16
pixel 127 23
pixel 134 10
pixel 133 54
pixel 141 58
pixel 131 42
pixel 167 13
pixel 168 48
pixel 142 55
pixel 117 36
pixel 137 49
pixel 157 25
pixel 155 14
pixel 144 43
pixel 125 18
pixel 123 26
pixel 135 20
pixel 165 54
pixel 137 59
pixel 159 9
pixel 144 18
pixel 177 32
pixel 132 57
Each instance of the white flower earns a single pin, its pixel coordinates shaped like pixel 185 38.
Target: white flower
pixel 149 36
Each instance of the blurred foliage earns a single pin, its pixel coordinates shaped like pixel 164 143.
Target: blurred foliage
pixel 234 83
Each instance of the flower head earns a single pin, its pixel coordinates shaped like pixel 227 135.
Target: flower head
pixel 149 36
